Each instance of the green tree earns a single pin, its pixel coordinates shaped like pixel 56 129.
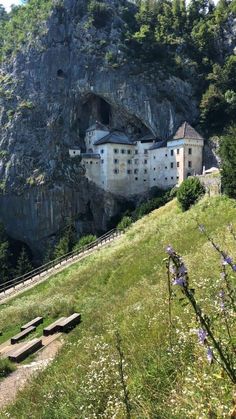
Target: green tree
pixel 83 241
pixel 189 192
pixel 228 156
pixel 24 264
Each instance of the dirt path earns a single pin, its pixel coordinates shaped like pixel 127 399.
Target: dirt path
pixel 10 386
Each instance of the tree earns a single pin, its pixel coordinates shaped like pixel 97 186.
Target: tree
pixel 23 263
pixel 189 192
pixel 228 156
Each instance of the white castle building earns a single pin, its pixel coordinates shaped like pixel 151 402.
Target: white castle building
pixel 125 167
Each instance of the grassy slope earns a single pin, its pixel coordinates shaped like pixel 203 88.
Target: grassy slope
pixel 124 287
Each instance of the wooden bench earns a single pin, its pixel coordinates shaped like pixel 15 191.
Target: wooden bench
pixel 22 335
pixel 35 322
pixel 52 328
pixel 29 348
pixel 69 322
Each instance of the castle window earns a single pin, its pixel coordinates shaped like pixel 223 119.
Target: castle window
pixel 129 161
pixel 136 171
pixel 91 162
pixel 145 170
pixel 123 151
pixel 172 177
pixel 145 151
pixel 154 157
pixel 116 161
pixel 102 161
pixel 145 161
pixel 171 165
pixel 145 180
pixel 136 161
pixel 177 150
pixel 189 151
pixel 177 177
pixel 129 151
pixel 136 151
pixel 171 152
pixel 165 178
pixel 154 178
pixel 154 168
pixel 189 164
pixel 116 171
pixel 116 150
pixel 165 167
pixel 136 178
pixel 102 151
pixel 177 163
pixel 166 155
pixel 129 172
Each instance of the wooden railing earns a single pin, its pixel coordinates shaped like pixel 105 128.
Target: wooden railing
pixel 35 274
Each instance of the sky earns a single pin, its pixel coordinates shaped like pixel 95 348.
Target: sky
pixel 7 3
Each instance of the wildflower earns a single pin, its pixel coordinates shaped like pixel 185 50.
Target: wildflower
pixel 169 250
pixel 209 355
pixel 234 268
pixel 227 260
pixel 182 269
pixel 202 335
pixel 179 281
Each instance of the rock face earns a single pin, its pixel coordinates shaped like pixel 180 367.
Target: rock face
pixel 74 74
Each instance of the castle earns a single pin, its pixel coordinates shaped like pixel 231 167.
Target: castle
pixel 127 167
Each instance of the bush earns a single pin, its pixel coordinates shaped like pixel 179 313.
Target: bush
pixel 84 241
pixel 6 367
pixel 125 223
pixel 149 206
pixel 189 192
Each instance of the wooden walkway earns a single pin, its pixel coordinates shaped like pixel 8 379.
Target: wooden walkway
pixel 27 284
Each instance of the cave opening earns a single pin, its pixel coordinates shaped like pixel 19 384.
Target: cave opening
pixel 95 108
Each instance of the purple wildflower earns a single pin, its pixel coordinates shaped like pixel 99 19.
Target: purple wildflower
pixel 182 269
pixel 227 260
pixel 202 335
pixel 234 268
pixel 209 355
pixel 169 250
pixel 179 281
pixel 221 294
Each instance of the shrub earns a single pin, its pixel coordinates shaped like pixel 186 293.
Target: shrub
pixel 189 192
pixel 125 223
pixel 149 206
pixel 6 367
pixel 84 241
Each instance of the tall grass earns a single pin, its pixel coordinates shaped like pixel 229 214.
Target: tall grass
pixel 123 287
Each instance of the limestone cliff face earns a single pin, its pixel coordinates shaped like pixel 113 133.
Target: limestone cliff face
pixel 74 74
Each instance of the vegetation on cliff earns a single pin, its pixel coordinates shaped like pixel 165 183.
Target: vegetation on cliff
pixel 124 288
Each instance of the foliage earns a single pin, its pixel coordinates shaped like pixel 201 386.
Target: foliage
pixel 23 25
pixel 151 204
pixel 228 156
pixel 24 264
pixel 125 223
pixel 66 242
pixel 189 192
pixel 209 334
pixel 6 367
pixel 99 11
pixel 84 241
pixel 127 279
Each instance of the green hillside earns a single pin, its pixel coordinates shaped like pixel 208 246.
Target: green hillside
pixel 124 288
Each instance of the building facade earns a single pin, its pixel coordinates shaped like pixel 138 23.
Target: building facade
pixel 126 167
